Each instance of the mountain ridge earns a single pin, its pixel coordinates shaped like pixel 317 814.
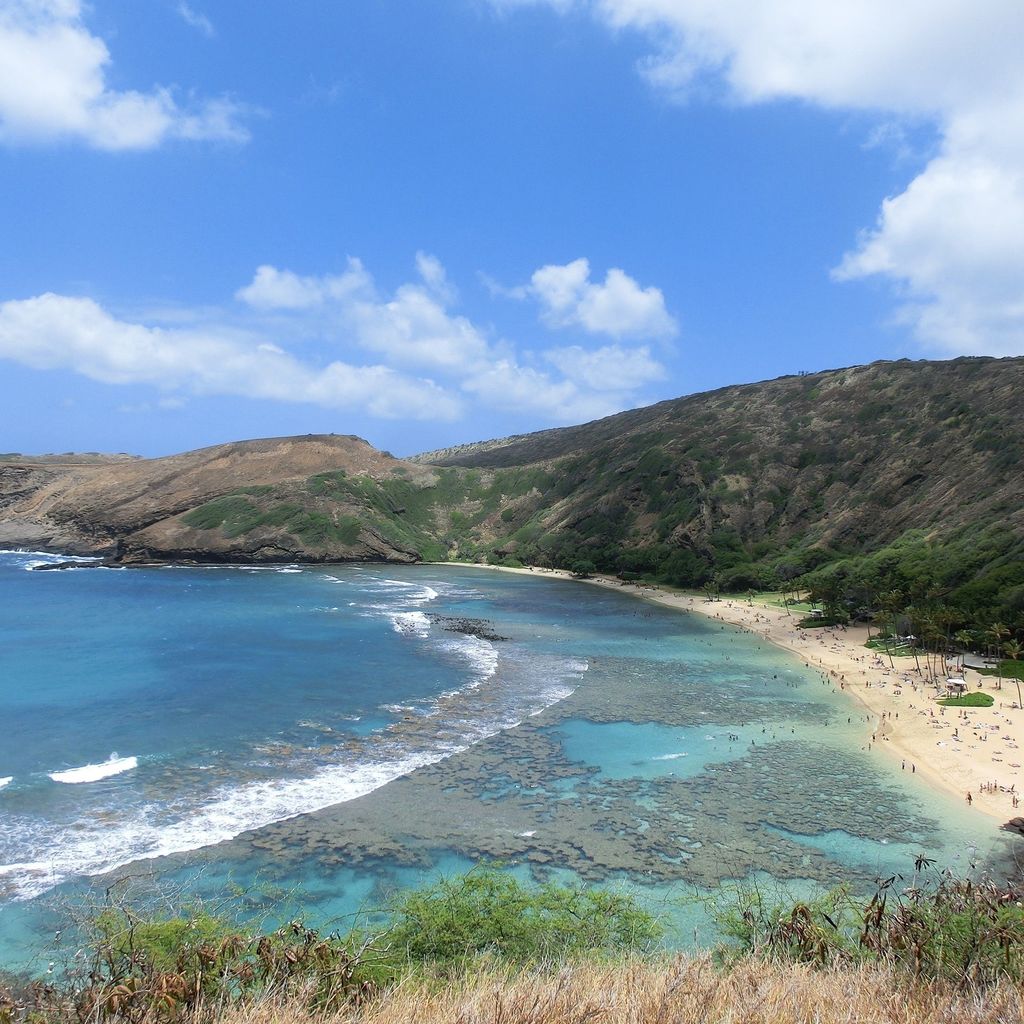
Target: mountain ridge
pixel 748 485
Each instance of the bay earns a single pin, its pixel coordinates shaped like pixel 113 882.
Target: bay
pixel 311 738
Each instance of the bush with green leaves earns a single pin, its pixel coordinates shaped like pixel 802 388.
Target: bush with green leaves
pixel 157 968
pixel 145 967
pixel 487 911
pixel 1008 668
pixel 967 932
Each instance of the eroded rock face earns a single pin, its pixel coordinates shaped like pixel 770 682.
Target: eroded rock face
pixel 137 510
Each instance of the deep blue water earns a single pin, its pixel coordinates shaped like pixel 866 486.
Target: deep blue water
pixel 154 713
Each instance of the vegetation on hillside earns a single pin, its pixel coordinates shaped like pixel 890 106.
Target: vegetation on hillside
pixel 851 484
pixel 889 493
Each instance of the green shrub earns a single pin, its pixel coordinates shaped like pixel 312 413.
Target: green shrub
pixel 156 969
pixel 957 929
pixel 488 912
pixel 1008 669
pixel 234 514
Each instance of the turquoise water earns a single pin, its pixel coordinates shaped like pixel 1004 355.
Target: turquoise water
pixel 316 737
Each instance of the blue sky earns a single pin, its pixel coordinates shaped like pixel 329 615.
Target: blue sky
pixel 437 221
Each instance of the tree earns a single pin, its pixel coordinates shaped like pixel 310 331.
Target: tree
pixel 1013 652
pixel 998 633
pixel 892 602
pixel 964 637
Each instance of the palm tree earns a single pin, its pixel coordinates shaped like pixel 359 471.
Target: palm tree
pixel 933 637
pixel 945 617
pixel 964 637
pixel 1013 652
pixel 892 602
pixel 916 619
pixel 998 632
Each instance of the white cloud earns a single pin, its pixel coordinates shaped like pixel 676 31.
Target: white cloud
pixel 196 19
pixel 508 386
pixel 611 368
pixel 428 362
pixel 273 289
pixel 434 276
pixel 60 332
pixel 415 330
pixel 950 240
pixel 53 87
pixel 954 238
pixel 412 329
pixel 618 307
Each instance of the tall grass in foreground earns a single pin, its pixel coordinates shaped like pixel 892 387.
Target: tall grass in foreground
pixel 681 991
pixel 483 948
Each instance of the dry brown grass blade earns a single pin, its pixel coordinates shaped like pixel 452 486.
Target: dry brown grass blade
pixel 682 991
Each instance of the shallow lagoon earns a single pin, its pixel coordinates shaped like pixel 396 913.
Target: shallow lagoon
pixel 652 747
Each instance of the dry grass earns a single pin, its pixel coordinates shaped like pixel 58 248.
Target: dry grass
pixel 682 991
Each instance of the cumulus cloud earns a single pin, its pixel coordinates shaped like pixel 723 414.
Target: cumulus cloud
pixel 61 332
pixel 618 306
pixel 414 329
pixel 435 277
pixel 273 289
pixel 426 361
pixel 611 368
pixel 53 86
pixel 504 384
pixel 950 240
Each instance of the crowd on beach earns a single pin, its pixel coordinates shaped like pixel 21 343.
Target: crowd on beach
pixel 971 751
pixel 951 746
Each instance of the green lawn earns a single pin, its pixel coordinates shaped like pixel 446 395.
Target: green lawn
pixel 1007 669
pixel 897 650
pixel 969 700
pixel 776 600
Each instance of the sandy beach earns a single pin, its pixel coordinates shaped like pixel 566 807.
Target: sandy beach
pixel 961 750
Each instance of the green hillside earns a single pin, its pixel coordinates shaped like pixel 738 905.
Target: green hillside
pixel 895 482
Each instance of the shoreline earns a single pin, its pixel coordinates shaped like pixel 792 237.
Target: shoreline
pixel 926 740
pixel 954 750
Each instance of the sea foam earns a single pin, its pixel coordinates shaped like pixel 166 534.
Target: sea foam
pixel 155 832
pixel 46 855
pixel 231 811
pixel 114 765
pixel 415 623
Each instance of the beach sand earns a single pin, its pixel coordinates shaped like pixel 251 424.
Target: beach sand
pixel 959 750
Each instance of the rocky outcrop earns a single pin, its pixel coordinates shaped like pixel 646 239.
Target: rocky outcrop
pixel 136 510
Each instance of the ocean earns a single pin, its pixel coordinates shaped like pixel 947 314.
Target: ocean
pixel 308 739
